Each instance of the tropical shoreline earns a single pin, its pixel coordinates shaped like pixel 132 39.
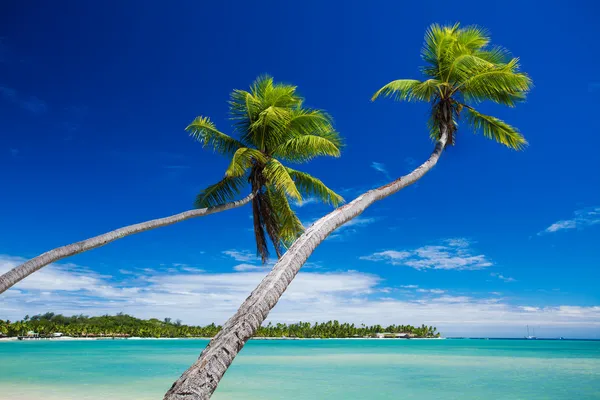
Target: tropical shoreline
pixel 74 339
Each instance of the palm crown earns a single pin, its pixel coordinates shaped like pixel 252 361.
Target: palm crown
pixel 273 126
pixel 463 69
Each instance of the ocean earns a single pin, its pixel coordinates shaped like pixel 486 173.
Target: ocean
pixel 308 369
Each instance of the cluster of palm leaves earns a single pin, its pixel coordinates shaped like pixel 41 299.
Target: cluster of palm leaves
pixel 273 126
pixel 464 70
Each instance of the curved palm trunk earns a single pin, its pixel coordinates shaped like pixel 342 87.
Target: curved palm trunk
pixel 202 378
pixel 27 268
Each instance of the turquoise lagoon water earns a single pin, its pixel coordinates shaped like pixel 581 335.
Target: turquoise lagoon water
pixel 308 369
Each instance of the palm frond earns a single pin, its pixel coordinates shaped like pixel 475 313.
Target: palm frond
pixel 472 38
pixel 503 85
pixel 221 192
pixel 496 55
pixel 438 48
pixel 303 148
pixel 496 129
pixel 290 227
pixel 276 175
pixel 311 186
pixel 465 66
pixel 307 120
pixel 426 91
pixel 243 159
pixel 203 130
pixel 243 109
pixel 401 89
pixel 270 127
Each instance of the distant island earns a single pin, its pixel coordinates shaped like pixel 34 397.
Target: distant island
pixel 51 325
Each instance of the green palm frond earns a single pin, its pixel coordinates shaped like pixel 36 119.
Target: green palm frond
pixel 496 55
pixel 270 127
pixel 426 91
pixel 465 66
pixel 203 130
pixel 281 95
pixel 311 186
pixel 277 176
pixel 289 226
pixel 242 160
pixel 496 129
pixel 472 38
pixel 221 192
pixel 503 84
pixel 401 89
pixel 304 148
pixel 438 49
pixel 309 121
pixel 243 107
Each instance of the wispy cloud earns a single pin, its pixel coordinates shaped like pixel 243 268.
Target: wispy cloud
pixel 582 219
pixel 31 103
pixel 346 296
pixel 433 291
pixel 502 277
pixel 381 168
pixel 251 267
pixel 306 201
pixel 241 255
pixel 453 254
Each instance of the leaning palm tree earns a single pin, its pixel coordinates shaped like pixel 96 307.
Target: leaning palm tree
pixel 20 272
pixel 462 69
pixel 272 124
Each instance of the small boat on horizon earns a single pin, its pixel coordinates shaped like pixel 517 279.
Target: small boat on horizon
pixel 532 336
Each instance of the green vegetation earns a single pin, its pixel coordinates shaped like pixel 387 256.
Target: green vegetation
pixel 126 325
pixel 273 126
pixel 463 69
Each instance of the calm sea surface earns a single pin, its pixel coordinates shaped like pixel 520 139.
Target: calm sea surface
pixel 308 369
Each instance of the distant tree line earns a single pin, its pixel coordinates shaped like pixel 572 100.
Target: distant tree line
pixel 125 325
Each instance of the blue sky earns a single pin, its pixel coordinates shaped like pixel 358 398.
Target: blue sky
pixel 93 105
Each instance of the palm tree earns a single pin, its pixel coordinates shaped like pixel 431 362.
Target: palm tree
pixel 273 127
pixel 463 69
pixel 22 271
pixel 273 124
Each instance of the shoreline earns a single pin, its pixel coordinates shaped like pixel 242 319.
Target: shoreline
pixel 72 339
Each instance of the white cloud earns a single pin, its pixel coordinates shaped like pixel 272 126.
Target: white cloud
pixel 241 255
pixel 381 168
pixel 434 291
pixel 502 277
pixel 582 219
pixel 452 254
pixel 202 298
pixel 306 201
pixel 251 267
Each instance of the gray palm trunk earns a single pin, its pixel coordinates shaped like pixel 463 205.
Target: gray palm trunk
pixel 201 379
pixel 27 268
